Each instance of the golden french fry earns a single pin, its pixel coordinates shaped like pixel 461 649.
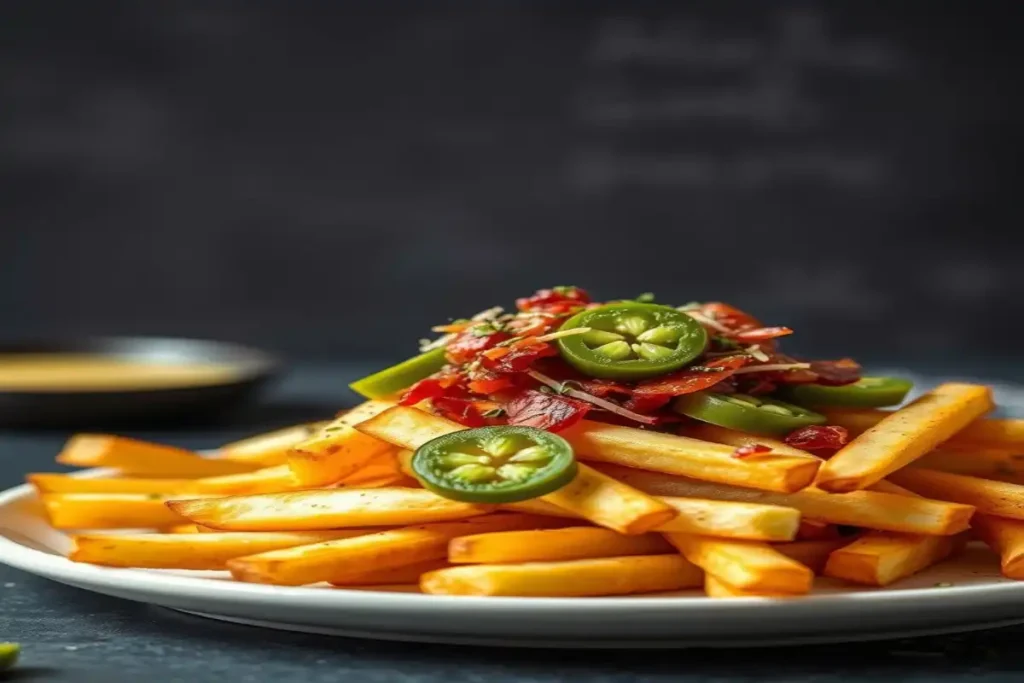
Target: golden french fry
pixel 266 480
pixel 190 551
pixel 726 519
pixel 813 554
pixel 109 511
pixel 814 530
pixel 335 452
pixel 338 561
pixel 182 529
pixel 1006 538
pixel 869 509
pixel 576 578
pixel 714 587
pixel 382 470
pixel 610 503
pixel 591 494
pixel 747 565
pixel 269 449
pixel 64 483
pixel 404 575
pixel 984 463
pixel 904 436
pixel 681 455
pixel 879 558
pixel 552 545
pixel 990 497
pixel 141 458
pixel 1005 435
pixel 323 509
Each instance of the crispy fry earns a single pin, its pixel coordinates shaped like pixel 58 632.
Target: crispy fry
pixel 335 452
pixel 109 511
pixel 141 458
pixel 552 545
pixel 868 509
pixel 681 455
pixel 65 483
pixel 990 497
pixel 382 470
pixel 408 574
pixel 716 588
pixel 1001 435
pixel 269 449
pixel 880 557
pixel 904 436
pixel 746 565
pixel 362 412
pixel 987 464
pixel 190 551
pixel 266 480
pixel 1006 538
pixel 749 521
pixel 813 554
pixel 591 494
pixel 604 576
pixel 182 529
pixel 338 561
pixel 323 509
pixel 610 503
pixel 813 530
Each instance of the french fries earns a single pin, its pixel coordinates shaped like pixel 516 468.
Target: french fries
pixel 990 497
pixel 323 509
pixel 270 449
pixel 881 558
pixel 109 511
pixel 141 458
pixel 267 480
pixel 987 464
pixel 1006 538
pixel 904 436
pixel 869 509
pixel 984 434
pixel 591 494
pixel 551 545
pixel 337 561
pixel 813 554
pixel 404 575
pixel 335 452
pixel 576 578
pixel 190 551
pixel 747 565
pixel 714 587
pixel 726 519
pixel 64 483
pixel 681 455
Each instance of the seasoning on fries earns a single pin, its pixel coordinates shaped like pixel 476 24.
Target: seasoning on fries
pixel 573 448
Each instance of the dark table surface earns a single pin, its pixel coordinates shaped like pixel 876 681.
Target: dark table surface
pixel 72 635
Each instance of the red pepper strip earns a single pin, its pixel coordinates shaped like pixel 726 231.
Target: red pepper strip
pixel 490 385
pixel 646 404
pixel 431 387
pixel 558 300
pixel 461 410
pixel 818 437
pixel 467 345
pixel 520 358
pixel 689 380
pixel 729 316
pixel 532 408
pixel 761 334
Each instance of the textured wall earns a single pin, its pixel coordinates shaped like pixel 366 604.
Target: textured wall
pixel 332 178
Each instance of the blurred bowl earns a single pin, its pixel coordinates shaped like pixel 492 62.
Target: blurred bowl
pixel 241 373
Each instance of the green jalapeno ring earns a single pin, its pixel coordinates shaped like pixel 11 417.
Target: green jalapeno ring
pixel 390 381
pixel 496 464
pixel 751 414
pixel 867 392
pixel 632 340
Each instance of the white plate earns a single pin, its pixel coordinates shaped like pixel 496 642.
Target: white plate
pixel 978 598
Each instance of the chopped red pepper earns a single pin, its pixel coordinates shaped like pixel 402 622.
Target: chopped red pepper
pixel 836 372
pixel 750 450
pixel 461 410
pixel 532 408
pixel 520 358
pixel 467 345
pixel 818 438
pixel 431 387
pixel 557 300
pixel 694 378
pixel 729 316
pixel 647 404
pixel 490 385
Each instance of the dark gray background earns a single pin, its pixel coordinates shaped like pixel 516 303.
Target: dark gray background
pixel 329 179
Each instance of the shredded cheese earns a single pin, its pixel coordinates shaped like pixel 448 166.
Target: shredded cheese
pixel 757 353
pixel 590 398
pixel 772 367
pixel 710 322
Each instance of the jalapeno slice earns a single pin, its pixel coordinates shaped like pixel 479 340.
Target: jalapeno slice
pixel 753 414
pixel 867 392
pixel 498 464
pixel 632 341
pixel 390 381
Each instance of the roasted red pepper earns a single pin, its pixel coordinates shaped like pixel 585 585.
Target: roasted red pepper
pixel 532 408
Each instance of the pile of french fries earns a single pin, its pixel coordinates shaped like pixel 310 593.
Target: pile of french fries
pixel 334 504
